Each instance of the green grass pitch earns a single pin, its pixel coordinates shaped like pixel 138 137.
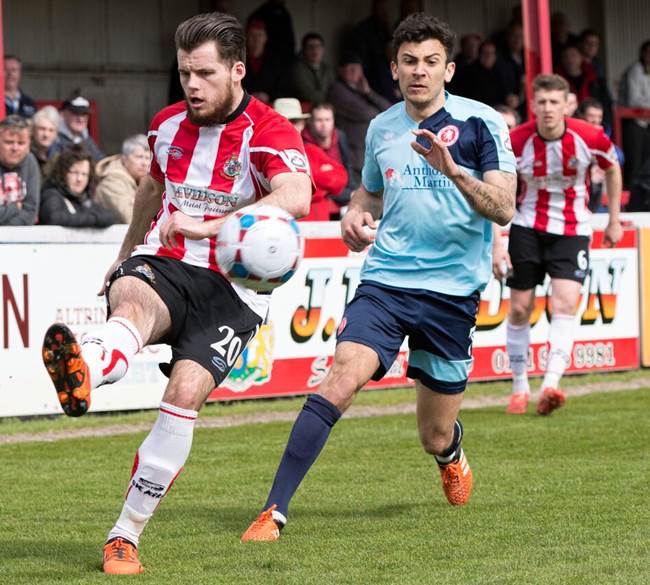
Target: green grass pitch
pixel 557 500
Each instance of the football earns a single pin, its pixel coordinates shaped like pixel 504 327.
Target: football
pixel 259 247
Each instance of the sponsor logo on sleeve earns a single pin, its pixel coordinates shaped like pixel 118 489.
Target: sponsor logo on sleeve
pixel 296 158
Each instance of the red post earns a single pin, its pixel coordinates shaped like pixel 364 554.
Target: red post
pixel 537 42
pixel 621 113
pixel 2 68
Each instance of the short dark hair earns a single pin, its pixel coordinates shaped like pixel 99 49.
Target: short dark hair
pixel 13 58
pixel 64 162
pixel 323 106
pixel 587 103
pixel 570 47
pixel 312 36
pixel 503 109
pixel 420 27
pixel 643 48
pixel 551 82
pixel 588 32
pixel 223 29
pixel 486 43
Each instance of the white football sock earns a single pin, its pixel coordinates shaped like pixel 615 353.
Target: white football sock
pixel 158 461
pixel 560 343
pixel 109 349
pixel 517 342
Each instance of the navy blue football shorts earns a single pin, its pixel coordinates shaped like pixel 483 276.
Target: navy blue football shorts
pixel 439 327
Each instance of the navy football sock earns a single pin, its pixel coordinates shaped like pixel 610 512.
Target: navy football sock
pixel 307 439
pixel 452 453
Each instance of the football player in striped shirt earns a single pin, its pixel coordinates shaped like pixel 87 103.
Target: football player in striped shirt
pixel 551 232
pixel 217 151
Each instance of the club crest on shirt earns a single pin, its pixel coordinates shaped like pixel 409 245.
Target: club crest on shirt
pixel 175 152
pixel 231 168
pixel 449 134
pixel 572 162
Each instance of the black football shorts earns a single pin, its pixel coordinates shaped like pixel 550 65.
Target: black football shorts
pixel 534 254
pixel 211 325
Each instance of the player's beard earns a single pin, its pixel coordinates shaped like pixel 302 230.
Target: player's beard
pixel 217 114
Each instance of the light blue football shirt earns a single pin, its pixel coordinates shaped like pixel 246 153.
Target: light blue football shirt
pixel 429 237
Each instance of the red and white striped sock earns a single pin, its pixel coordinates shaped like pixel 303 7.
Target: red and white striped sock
pixel 109 350
pixel 157 463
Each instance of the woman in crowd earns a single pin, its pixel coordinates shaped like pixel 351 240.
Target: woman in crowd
pixel 44 132
pixel 66 199
pixel 119 175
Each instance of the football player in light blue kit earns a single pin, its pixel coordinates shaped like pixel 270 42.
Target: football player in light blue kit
pixel 438 171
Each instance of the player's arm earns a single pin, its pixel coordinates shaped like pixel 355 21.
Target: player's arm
pixel 501 263
pixel 613 184
pixel 145 206
pixel 290 191
pixel 493 197
pixel 365 207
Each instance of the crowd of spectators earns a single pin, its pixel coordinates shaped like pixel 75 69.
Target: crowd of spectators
pixel 53 172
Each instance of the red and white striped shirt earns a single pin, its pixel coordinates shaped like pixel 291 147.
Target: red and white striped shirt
pixel 554 175
pixel 210 171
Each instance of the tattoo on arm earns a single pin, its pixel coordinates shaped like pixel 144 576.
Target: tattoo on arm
pixel 495 202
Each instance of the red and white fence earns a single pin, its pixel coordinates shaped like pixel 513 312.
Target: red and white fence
pixel 52 274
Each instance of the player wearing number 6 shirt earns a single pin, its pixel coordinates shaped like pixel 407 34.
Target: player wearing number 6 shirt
pixel 437 198
pixel 551 232
pixel 216 152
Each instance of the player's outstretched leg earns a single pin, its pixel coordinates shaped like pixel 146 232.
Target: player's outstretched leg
pixel 353 365
pixel 307 439
pixel 77 367
pixel 67 369
pixel 455 471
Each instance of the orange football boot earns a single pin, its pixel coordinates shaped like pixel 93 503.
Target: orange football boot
pixel 518 403
pixel 457 481
pixel 263 528
pixel 551 399
pixel 67 369
pixel 121 558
